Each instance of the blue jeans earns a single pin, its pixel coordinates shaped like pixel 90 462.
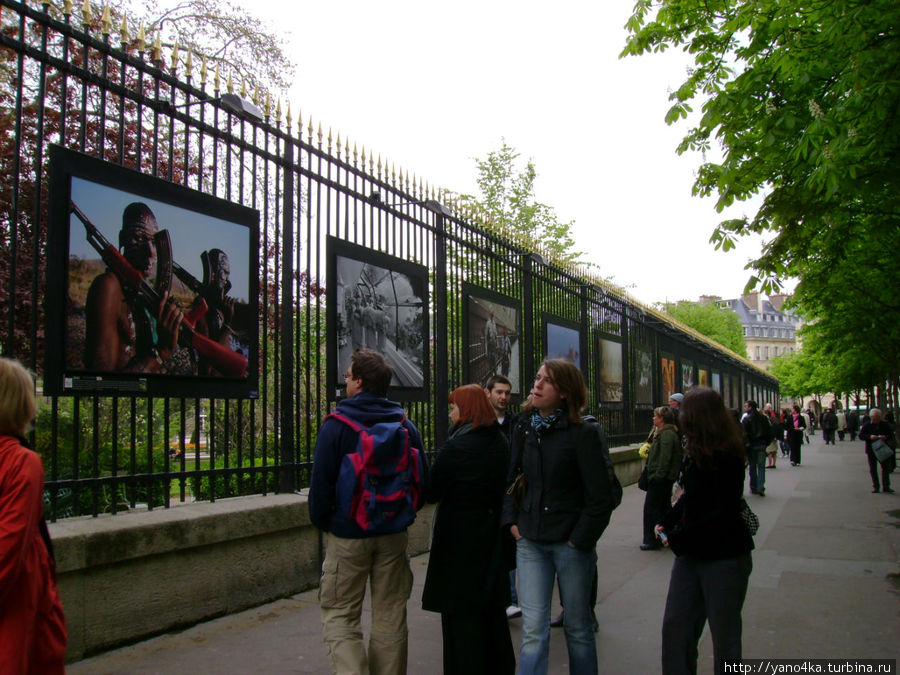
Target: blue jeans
pixel 538 564
pixel 756 457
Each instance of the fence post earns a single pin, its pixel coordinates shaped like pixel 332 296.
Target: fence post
pixel 288 442
pixel 441 355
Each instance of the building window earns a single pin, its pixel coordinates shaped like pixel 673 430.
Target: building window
pixel 766 352
pixel 745 331
pixel 757 353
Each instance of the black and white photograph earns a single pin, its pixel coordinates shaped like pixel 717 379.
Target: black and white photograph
pixel 378 302
pixel 643 375
pixel 493 341
pixel 562 339
pixel 610 388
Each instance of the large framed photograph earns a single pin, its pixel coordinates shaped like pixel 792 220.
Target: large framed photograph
pixel 493 340
pixel 562 339
pixel 610 388
pixel 643 375
pixel 668 381
pixel 378 302
pixel 152 288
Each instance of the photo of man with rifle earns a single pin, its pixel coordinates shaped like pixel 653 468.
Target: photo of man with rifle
pixel 123 332
pixel 133 326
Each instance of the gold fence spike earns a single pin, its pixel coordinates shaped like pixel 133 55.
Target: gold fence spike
pixel 141 38
pixel 189 64
pixel 268 103
pixel 175 57
pixel 287 117
pixel 106 21
pixel 319 134
pixel 243 88
pixel 157 50
pixel 229 84
pixel 329 140
pixel 355 154
pixel 123 32
pixel 309 129
pixel 67 8
pixel 203 71
pixel 277 110
pixel 86 14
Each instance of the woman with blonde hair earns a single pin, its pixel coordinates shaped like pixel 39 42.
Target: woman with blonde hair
pixel 32 627
pixel 467 580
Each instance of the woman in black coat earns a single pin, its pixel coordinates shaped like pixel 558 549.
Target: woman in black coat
pixel 710 541
pixel 467 581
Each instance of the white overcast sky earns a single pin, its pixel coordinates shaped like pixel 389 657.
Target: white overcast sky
pixel 432 86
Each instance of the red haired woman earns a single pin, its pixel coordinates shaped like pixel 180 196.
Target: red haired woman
pixel 467 581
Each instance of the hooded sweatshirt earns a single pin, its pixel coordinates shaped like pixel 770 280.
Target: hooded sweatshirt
pixel 335 440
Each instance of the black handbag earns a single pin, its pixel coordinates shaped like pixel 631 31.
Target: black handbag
pixel 643 480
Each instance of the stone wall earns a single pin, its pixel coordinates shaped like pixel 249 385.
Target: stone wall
pixel 128 577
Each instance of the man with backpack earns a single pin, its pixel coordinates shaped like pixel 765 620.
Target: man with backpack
pixel 757 435
pixel 368 480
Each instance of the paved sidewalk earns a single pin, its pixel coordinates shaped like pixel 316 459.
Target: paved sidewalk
pixel 825 585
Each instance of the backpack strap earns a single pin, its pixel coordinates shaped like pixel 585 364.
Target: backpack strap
pixel 356 426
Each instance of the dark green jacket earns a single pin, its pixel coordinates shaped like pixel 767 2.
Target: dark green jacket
pixel 665 455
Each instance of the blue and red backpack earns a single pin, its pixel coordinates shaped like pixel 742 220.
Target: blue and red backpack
pixel 379 485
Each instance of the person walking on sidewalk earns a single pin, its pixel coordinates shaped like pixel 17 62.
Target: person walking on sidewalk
pixel 710 541
pixel 757 433
pixel 796 428
pixel 354 555
pixel 829 425
pixel 878 430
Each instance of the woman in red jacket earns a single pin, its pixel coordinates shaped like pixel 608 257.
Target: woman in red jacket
pixel 32 627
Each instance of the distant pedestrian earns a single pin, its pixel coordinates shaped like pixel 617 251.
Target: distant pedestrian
pixel 467 580
pixel 870 432
pixel 355 557
pixel 796 428
pixel 757 432
pixel 852 424
pixel 710 541
pixel 32 626
pixel 829 425
pixel 841 423
pixel 663 463
pixel 786 425
pixel 777 435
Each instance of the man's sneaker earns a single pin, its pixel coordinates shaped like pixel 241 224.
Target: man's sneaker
pixel 513 611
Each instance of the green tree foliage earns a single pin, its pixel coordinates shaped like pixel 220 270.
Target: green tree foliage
pixel 507 197
pixel 709 319
pixel 802 100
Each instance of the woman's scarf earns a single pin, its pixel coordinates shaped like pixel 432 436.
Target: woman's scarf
pixel 541 424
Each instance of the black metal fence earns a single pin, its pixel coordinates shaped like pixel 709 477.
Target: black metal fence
pixel 69 85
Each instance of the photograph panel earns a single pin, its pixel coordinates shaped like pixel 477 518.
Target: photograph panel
pixel 493 344
pixel 378 302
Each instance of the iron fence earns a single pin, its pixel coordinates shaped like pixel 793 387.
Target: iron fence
pixel 69 85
